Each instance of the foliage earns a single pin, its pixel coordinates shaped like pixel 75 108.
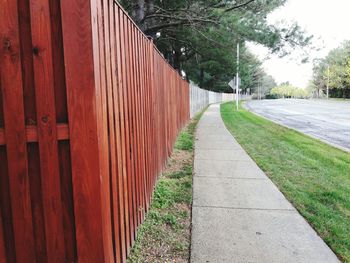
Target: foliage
pixel 334 71
pixel 165 233
pixel 288 91
pixel 264 86
pixel 311 174
pixel 200 36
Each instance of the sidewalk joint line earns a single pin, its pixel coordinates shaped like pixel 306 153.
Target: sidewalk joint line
pixel 217 159
pixel 246 208
pixel 247 161
pixel 232 178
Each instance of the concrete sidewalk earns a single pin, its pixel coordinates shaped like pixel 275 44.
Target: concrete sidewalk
pixel 239 215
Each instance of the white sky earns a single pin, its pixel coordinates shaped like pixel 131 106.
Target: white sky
pixel 328 21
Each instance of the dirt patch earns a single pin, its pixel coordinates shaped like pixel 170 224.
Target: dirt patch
pixel 165 235
pixel 178 160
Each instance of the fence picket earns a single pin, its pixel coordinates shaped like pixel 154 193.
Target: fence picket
pixel 15 132
pixel 47 130
pixel 80 41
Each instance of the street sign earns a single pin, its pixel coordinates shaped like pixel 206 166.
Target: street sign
pixel 233 83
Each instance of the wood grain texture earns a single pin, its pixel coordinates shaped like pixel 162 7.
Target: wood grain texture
pixel 36 198
pixel 14 121
pixel 2 242
pixel 81 96
pixel 5 205
pixel 118 218
pixel 119 107
pixel 67 200
pixel 50 199
pixel 31 132
pixel 125 124
pixel 128 118
pixel 103 128
pixel 133 135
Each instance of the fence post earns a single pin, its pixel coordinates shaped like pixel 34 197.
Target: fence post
pixel 90 186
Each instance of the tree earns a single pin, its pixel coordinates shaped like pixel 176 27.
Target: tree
pixel 200 36
pixel 335 71
pixel 263 85
pixel 288 91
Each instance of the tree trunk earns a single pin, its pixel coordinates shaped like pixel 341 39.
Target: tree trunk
pixel 201 78
pixel 138 10
pixel 177 60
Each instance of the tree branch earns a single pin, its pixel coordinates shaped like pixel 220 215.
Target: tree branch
pixel 162 26
pixel 238 6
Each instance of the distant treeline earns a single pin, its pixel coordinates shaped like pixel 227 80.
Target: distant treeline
pixel 286 91
pixel 334 71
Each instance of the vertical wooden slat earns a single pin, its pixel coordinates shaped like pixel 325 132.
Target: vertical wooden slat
pixel 117 198
pixel 144 69
pixel 27 62
pixel 131 113
pixel 98 9
pixel 149 120
pixel 143 99
pixel 2 242
pixel 126 126
pixel 152 158
pixel 58 62
pixel 67 201
pixel 138 94
pixel 134 125
pixel 80 42
pixel 108 26
pixel 12 95
pixel 5 200
pixel 31 119
pixel 119 107
pixel 37 201
pixel 47 133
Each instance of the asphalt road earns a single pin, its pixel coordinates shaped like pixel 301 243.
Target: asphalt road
pixel 326 120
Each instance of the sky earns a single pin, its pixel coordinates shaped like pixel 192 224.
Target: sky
pixel 328 21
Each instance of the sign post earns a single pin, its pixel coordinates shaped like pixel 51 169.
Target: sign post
pixel 235 82
pixel 237 77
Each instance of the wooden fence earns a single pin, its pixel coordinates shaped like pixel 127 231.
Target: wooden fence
pixel 89 112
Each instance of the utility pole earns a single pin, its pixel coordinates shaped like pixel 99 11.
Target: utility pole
pixel 237 77
pixel 328 82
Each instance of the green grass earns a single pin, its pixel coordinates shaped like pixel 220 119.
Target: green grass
pixel 314 176
pixel 340 99
pixel 166 232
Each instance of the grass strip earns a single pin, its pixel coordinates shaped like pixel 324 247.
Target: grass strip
pixel 314 176
pixel 165 235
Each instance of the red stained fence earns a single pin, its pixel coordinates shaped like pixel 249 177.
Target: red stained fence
pixel 89 112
